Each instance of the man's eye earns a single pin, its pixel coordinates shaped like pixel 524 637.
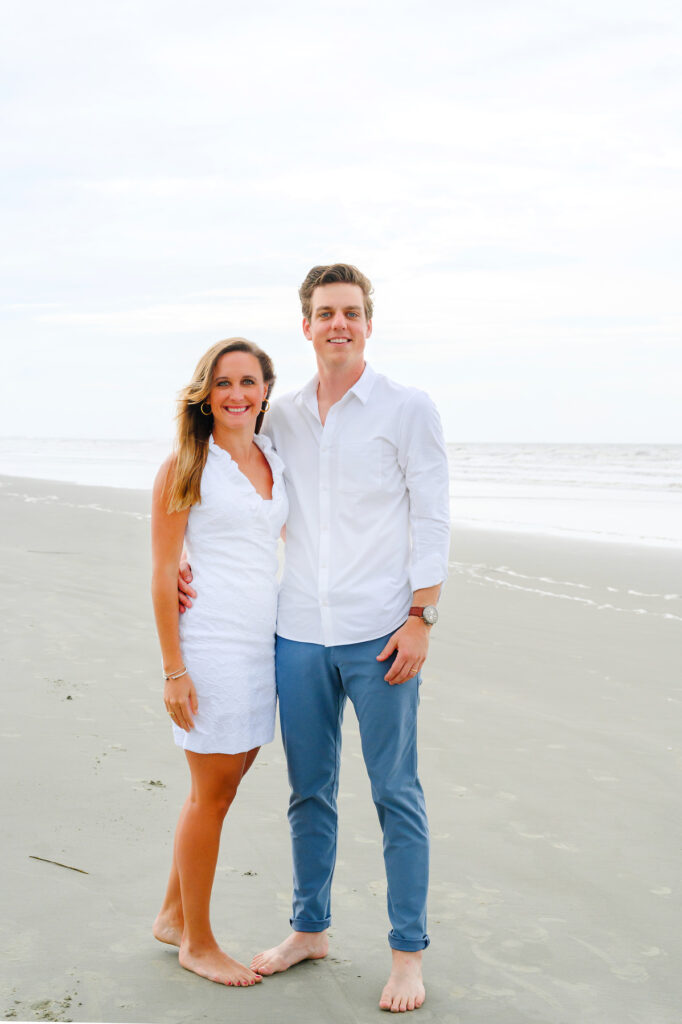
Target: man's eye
pixel 323 316
pixel 248 382
pixel 351 313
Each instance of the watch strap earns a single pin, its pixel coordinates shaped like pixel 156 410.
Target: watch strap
pixel 428 614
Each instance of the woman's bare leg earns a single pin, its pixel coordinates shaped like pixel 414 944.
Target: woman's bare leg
pixel 170 921
pixel 215 779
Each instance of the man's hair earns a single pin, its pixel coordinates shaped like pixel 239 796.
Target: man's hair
pixel 334 273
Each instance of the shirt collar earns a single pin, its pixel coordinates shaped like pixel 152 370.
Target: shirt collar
pixel 361 389
pixel 364 385
pixel 308 395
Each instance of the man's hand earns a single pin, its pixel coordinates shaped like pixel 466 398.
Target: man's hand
pixel 185 592
pixel 411 642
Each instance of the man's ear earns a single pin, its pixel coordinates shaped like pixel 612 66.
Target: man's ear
pixel 369 329
pixel 306 329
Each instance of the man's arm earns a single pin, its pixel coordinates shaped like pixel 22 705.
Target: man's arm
pixel 423 458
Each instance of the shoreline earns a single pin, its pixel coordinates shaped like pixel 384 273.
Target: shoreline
pixel 549 754
pixel 138 501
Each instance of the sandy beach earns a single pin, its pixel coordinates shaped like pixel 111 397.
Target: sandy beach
pixel 550 754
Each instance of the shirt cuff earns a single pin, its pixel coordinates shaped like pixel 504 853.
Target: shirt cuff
pixel 428 572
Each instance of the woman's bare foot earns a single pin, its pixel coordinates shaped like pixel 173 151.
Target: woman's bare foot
pixel 168 929
pixel 404 989
pixel 297 947
pixel 213 964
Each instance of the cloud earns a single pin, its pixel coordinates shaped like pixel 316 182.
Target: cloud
pixel 506 175
pixel 259 308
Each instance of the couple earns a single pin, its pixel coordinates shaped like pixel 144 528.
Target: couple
pixel 356 466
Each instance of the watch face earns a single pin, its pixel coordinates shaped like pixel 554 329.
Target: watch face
pixel 430 614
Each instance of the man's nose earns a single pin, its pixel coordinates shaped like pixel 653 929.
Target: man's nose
pixel 339 319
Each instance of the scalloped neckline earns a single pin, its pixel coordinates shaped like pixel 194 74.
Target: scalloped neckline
pixel 221 452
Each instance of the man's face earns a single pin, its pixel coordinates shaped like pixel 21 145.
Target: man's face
pixel 338 327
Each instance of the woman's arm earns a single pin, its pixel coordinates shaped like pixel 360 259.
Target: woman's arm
pixel 168 533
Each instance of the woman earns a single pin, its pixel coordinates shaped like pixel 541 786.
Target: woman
pixel 221 494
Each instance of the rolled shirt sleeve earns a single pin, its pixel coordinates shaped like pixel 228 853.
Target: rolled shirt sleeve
pixel 423 458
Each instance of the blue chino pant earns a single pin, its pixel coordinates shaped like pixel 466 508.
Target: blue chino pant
pixel 313 683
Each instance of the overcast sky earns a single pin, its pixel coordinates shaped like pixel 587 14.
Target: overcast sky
pixel 507 173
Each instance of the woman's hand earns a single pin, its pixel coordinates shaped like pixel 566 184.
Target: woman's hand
pixel 180 698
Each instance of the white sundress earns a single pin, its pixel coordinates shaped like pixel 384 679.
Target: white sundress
pixel 228 635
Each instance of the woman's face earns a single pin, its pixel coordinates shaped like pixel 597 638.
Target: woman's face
pixel 237 393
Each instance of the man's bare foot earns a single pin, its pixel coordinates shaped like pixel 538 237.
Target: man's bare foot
pixel 168 929
pixel 297 947
pixel 217 966
pixel 405 987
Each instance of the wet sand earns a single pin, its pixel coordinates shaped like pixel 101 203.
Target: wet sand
pixel 550 754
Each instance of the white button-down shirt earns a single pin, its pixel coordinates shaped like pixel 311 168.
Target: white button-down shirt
pixel 368 509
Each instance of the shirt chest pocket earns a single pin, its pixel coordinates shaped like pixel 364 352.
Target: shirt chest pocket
pixel 361 467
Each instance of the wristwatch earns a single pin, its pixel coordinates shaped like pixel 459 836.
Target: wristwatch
pixel 429 614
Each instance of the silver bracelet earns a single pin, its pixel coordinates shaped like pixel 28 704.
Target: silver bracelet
pixel 175 675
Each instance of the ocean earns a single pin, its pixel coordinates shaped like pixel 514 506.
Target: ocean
pixel 608 492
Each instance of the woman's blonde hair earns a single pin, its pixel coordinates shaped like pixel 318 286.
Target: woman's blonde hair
pixel 194 427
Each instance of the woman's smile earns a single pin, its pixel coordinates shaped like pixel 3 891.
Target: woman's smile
pixel 238 391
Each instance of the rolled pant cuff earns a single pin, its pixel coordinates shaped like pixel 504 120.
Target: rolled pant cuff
pixel 407 945
pixel 299 925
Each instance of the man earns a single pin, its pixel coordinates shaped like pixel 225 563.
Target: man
pixel 366 553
